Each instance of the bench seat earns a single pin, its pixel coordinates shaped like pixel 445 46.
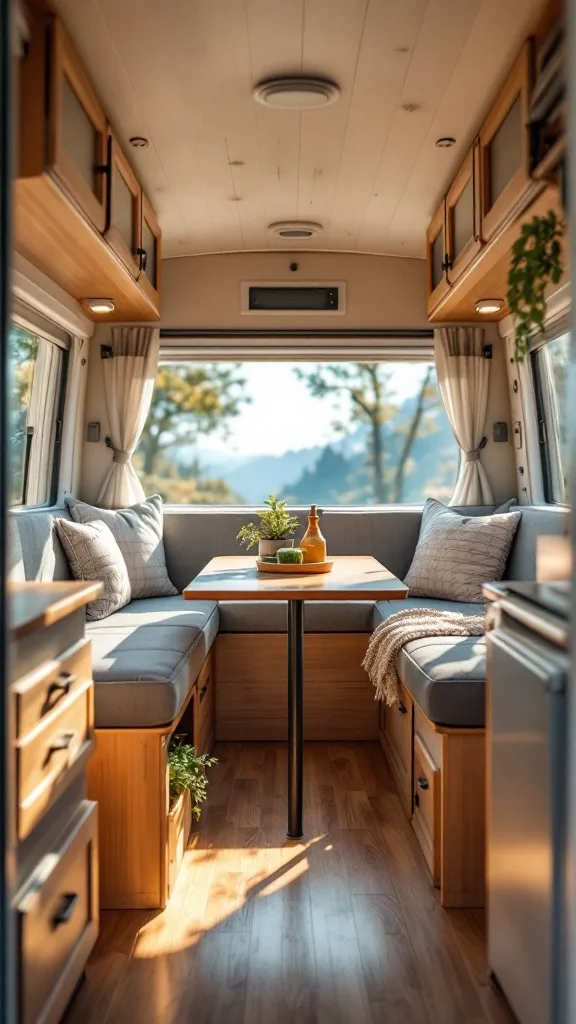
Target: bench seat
pixel 146 658
pixel 446 675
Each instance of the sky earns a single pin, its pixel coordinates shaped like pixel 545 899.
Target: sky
pixel 284 416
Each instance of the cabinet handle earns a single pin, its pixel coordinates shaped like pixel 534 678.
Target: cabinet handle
pixel 62 743
pixel 203 691
pixel 66 909
pixel 422 782
pixel 143 258
pixel 58 689
pixel 446 263
pixel 402 708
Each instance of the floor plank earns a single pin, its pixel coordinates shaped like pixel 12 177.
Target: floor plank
pixel 342 927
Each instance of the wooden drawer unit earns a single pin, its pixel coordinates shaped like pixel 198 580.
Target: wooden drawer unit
pixel 58 921
pixel 46 755
pixel 205 709
pixel 40 692
pixel 397 732
pixel 426 814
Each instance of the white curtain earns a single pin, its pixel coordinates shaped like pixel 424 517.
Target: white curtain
pixel 129 372
pixel 463 373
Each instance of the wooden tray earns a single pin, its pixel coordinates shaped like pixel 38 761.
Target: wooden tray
pixel 302 568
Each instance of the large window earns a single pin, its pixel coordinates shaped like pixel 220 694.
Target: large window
pixel 37 377
pixel 335 433
pixel 550 365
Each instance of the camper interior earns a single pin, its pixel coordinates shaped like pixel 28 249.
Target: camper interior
pixel 288 567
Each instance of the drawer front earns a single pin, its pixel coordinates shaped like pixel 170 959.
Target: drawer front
pixel 40 692
pixel 45 756
pixel 426 815
pixel 206 707
pixel 58 921
pixel 398 721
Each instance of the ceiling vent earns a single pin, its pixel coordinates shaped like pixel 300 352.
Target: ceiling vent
pixel 296 93
pixel 295 229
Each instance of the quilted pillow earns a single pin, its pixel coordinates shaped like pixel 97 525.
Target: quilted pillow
pixel 456 554
pixel 138 532
pixel 93 554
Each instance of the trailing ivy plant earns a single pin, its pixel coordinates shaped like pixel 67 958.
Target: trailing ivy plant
pixel 536 262
pixel 187 770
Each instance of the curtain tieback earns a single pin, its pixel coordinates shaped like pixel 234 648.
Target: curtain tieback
pixel 122 458
pixel 474 454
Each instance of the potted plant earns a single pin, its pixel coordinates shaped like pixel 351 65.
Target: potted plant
pixel 536 263
pixel 273 531
pixel 188 789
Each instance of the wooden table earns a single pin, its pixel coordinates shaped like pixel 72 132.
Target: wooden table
pixel 353 578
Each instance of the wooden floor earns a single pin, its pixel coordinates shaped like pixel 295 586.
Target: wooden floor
pixel 342 928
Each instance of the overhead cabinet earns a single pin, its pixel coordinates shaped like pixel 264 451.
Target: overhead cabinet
pixel 505 147
pixel 463 216
pixel 80 215
pixel 437 257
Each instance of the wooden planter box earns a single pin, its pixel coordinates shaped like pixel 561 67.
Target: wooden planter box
pixel 179 825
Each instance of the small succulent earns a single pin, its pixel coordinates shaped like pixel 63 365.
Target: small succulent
pixel 287 556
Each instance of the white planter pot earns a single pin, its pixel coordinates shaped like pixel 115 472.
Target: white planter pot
pixel 270 547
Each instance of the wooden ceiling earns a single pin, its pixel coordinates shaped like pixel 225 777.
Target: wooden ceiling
pixel 219 168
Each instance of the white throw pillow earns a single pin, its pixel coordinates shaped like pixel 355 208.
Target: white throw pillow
pixel 93 554
pixel 456 554
pixel 138 533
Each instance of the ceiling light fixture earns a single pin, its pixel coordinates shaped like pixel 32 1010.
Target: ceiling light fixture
pixel 487 306
pixel 100 305
pixel 445 142
pixel 293 229
pixel 296 93
pixel 139 142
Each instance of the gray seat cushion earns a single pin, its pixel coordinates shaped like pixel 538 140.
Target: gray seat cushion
pixel 147 657
pixel 445 675
pixel 319 616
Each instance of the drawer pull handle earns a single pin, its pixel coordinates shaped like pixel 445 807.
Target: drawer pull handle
pixel 422 782
pixel 66 909
pixel 62 743
pixel 58 689
pixel 402 708
pixel 203 692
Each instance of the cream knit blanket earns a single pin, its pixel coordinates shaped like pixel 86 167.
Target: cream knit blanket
pixel 410 624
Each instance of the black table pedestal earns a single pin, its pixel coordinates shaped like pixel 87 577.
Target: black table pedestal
pixel 295 717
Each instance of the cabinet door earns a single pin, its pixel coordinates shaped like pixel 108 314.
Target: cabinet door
pixel 124 230
pixel 505 147
pixel 462 217
pixel 437 257
pixel 150 252
pixel 77 131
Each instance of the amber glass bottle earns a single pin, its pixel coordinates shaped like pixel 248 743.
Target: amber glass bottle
pixel 313 544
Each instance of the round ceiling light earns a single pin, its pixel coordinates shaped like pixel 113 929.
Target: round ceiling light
pixel 296 93
pixel 139 142
pixel 295 229
pixel 100 305
pixel 488 306
pixel 446 142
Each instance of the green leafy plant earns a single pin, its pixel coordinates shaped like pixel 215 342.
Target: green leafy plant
pixel 275 523
pixel 536 262
pixel 187 770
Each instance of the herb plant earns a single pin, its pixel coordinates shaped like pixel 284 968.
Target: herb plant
pixel 536 262
pixel 275 523
pixel 187 770
pixel 290 556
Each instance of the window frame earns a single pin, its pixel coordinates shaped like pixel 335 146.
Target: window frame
pixel 537 347
pixel 43 328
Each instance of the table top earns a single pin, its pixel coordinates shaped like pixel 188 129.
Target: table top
pixel 353 578
pixel 33 606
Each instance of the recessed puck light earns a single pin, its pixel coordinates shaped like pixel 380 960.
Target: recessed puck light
pixel 487 306
pixel 445 142
pixel 100 305
pixel 139 142
pixel 296 93
pixel 296 229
